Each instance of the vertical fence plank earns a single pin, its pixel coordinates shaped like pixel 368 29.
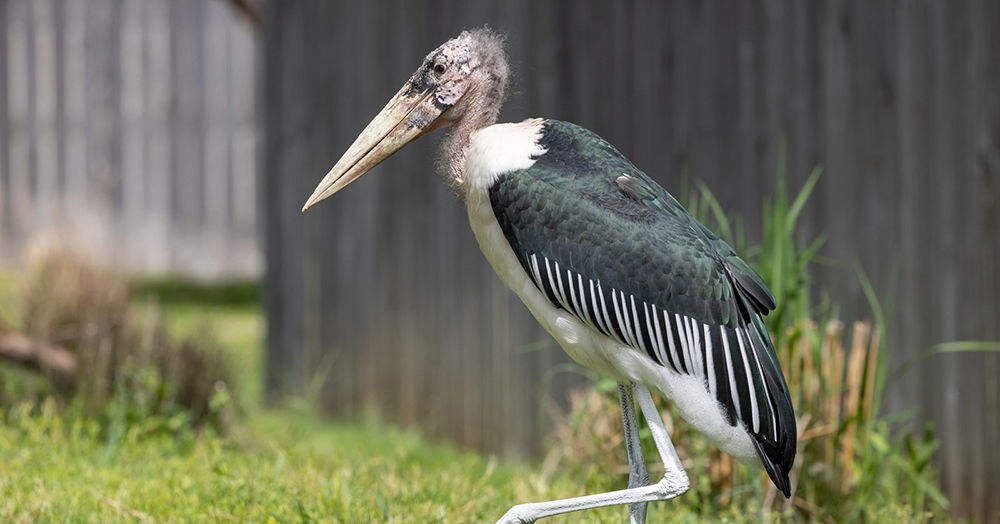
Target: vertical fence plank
pixel 74 73
pixel 19 73
pixel 946 129
pixel 187 131
pixel 6 216
pixel 243 169
pixel 45 149
pixel 984 16
pixel 979 204
pixel 133 177
pixel 213 243
pixel 285 140
pixel 101 94
pixel 158 148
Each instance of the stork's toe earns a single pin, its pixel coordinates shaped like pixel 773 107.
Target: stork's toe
pixel 519 514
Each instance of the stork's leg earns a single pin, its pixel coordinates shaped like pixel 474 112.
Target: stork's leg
pixel 672 467
pixel 637 474
pixel 673 483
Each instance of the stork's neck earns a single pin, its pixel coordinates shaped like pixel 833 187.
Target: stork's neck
pixel 498 149
pixel 481 112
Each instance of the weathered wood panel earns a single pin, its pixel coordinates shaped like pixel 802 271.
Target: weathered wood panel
pixel 382 292
pixel 127 126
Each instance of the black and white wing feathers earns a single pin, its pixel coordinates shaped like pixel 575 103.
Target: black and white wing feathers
pixel 604 242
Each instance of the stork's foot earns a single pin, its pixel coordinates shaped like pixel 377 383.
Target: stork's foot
pixel 674 482
pixel 670 486
pixel 520 514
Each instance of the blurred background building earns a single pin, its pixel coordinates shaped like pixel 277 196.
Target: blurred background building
pixel 128 127
pixel 169 136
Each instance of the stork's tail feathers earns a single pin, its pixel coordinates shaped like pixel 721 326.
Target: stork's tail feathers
pixel 777 457
pixel 778 471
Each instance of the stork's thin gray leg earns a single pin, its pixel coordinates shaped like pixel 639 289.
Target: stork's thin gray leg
pixel 671 462
pixel 637 474
pixel 674 481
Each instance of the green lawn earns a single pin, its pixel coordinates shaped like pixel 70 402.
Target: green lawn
pixel 272 465
pixel 275 466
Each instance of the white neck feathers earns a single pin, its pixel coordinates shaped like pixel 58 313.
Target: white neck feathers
pixel 498 149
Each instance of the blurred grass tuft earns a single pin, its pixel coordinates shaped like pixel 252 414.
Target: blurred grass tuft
pixel 126 368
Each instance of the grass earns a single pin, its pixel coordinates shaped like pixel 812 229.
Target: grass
pixel 278 467
pixel 274 467
pixel 282 465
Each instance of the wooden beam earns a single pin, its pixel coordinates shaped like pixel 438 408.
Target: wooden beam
pixel 53 360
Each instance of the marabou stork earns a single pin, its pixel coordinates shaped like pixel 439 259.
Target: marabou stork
pixel 610 264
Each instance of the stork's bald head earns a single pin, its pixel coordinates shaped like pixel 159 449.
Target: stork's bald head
pixel 462 82
pixel 472 65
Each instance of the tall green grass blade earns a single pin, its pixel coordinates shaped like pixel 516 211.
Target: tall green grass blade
pixel 712 204
pixel 800 200
pixel 873 302
pixel 809 254
pixel 870 296
pixel 961 346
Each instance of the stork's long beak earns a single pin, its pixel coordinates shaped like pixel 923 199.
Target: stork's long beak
pixel 407 116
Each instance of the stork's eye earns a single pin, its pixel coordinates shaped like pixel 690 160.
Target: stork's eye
pixel 440 67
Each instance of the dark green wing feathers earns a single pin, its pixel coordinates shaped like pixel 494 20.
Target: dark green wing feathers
pixel 642 189
pixel 606 243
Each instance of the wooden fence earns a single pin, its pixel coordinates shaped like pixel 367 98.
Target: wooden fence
pixel 382 293
pixel 127 127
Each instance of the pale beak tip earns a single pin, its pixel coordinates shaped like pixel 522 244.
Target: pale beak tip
pixel 315 197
